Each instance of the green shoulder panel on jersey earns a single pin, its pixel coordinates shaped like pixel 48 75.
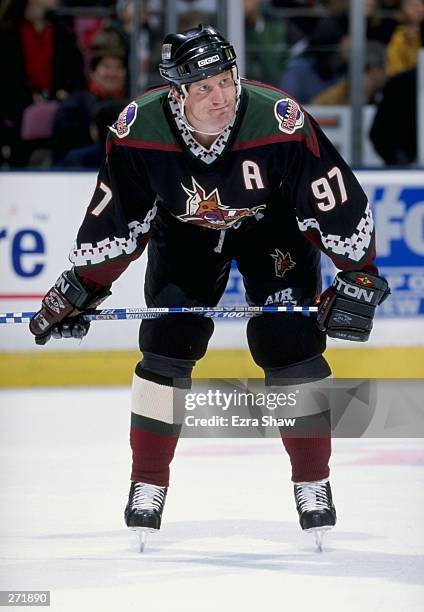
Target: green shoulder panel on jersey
pixel 142 124
pixel 272 116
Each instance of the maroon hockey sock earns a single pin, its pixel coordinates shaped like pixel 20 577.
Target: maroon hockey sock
pixel 309 457
pixel 152 454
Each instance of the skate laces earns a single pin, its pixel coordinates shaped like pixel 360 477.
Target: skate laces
pixel 147 496
pixel 312 495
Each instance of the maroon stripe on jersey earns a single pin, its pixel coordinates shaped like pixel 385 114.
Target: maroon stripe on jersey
pixel 258 142
pixel 366 265
pixel 21 296
pixel 146 144
pixel 145 93
pixel 264 86
pixel 313 147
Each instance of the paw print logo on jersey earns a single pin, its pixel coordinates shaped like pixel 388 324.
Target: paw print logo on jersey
pixel 289 116
pixel 283 263
pixel 122 125
pixel 208 211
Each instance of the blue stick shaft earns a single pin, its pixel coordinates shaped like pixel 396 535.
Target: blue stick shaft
pixel 215 312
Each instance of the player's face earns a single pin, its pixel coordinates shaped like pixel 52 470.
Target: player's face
pixel 211 103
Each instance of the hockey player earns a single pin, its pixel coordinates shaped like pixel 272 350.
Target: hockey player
pixel 207 169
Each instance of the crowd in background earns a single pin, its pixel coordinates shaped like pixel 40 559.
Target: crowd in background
pixel 65 68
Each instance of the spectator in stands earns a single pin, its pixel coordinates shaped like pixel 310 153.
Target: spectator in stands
pixel 381 27
pixel 87 3
pixel 71 128
pixel 39 61
pixel 191 19
pixel 374 79
pixel 305 21
pixel 323 63
pixel 109 37
pixel 402 50
pixel 394 129
pixel 92 155
pixel 267 43
pixel 377 28
pixel 331 27
pixel 123 26
pixel 206 9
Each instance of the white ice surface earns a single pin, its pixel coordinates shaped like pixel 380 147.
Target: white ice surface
pixel 230 539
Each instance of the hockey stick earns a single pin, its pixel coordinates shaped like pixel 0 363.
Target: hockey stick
pixel 213 312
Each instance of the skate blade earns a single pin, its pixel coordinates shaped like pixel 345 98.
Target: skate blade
pixel 142 536
pixel 319 533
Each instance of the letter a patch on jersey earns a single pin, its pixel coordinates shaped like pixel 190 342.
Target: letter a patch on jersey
pixel 289 116
pixel 122 125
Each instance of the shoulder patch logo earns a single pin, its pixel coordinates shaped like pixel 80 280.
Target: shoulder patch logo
pixel 289 116
pixel 122 125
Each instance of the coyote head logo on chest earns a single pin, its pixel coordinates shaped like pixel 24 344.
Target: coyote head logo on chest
pixel 208 210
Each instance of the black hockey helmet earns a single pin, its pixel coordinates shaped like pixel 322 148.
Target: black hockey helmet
pixel 195 54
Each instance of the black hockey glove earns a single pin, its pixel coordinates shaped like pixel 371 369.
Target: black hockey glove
pixel 62 307
pixel 346 309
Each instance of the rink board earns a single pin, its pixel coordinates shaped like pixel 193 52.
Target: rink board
pixel 45 369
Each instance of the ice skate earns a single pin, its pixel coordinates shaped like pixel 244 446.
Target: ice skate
pixel 314 504
pixel 143 512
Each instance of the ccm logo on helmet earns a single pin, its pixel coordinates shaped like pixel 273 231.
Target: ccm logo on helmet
pixel 359 293
pixel 208 60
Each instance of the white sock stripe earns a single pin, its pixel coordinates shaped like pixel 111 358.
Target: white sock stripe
pixel 151 400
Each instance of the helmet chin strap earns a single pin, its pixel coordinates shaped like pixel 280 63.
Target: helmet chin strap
pixel 185 94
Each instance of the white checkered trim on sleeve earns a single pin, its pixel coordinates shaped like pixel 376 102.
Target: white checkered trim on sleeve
pixel 107 249
pixel 352 247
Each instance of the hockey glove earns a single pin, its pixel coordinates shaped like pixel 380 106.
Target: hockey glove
pixel 346 309
pixel 62 307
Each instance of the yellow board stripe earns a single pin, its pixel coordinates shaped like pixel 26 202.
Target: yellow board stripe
pixel 43 369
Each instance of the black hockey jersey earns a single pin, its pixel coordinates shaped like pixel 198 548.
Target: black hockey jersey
pixel 275 152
